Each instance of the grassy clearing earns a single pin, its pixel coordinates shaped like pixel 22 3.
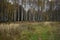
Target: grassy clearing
pixel 30 31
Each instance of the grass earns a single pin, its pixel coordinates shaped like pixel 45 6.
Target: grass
pixel 30 31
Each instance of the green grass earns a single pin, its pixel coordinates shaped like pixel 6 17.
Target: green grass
pixel 30 31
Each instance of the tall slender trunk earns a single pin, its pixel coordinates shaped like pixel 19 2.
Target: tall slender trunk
pixel 18 11
pixel 26 11
pixel 22 12
pixel 38 11
pixel 14 10
pixel 29 11
pixel 3 10
pixel 29 16
pixel 14 15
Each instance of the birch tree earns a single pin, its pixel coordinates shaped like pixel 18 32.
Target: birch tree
pixel 15 4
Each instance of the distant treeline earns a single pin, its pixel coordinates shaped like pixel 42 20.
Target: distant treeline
pixel 15 12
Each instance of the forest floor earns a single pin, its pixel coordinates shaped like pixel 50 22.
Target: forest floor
pixel 30 31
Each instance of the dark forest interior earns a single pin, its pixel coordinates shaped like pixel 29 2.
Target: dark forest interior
pixel 28 10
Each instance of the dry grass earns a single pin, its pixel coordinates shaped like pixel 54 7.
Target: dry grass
pixel 30 31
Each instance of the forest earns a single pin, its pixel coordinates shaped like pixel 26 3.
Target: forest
pixel 29 19
pixel 29 10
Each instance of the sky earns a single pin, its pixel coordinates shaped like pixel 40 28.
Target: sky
pixel 10 2
pixel 49 0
